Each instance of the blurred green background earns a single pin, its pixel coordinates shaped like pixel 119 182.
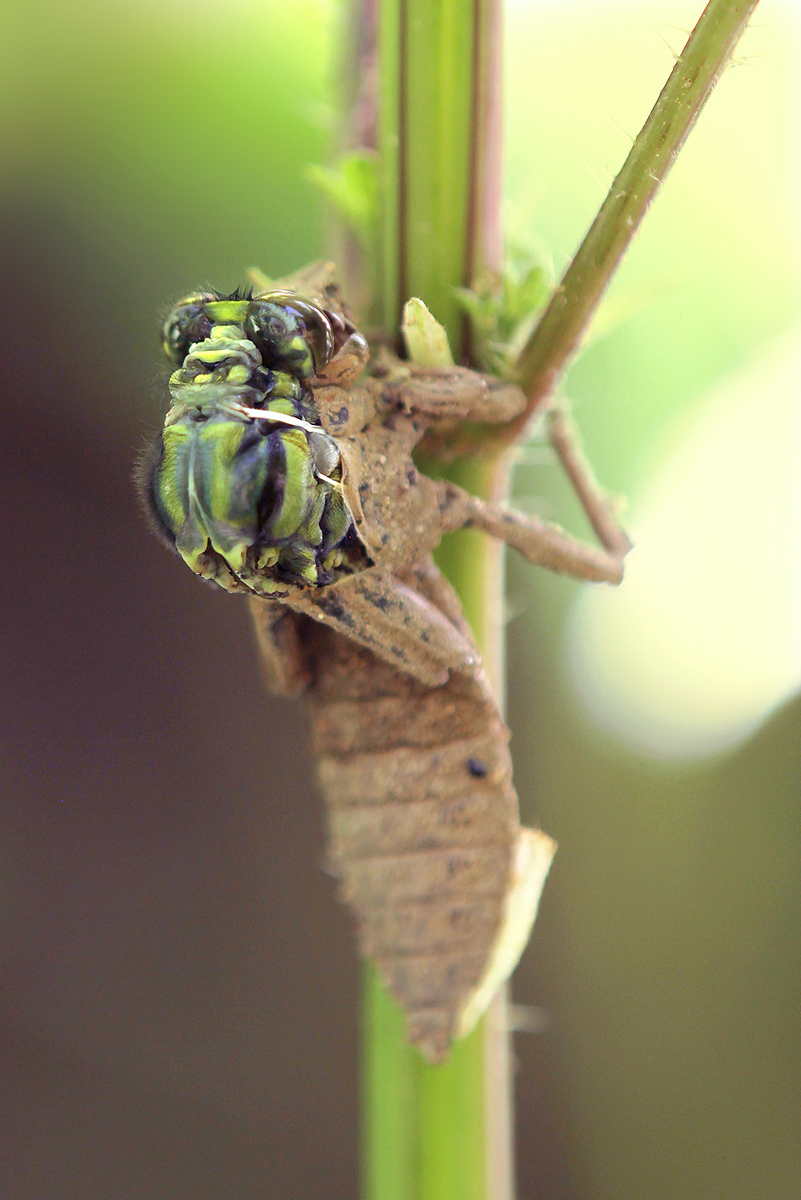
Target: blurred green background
pixel 180 987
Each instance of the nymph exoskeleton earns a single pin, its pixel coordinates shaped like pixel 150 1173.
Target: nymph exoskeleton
pixel 285 470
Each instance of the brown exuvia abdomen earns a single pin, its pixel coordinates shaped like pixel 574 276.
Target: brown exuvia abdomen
pixel 424 832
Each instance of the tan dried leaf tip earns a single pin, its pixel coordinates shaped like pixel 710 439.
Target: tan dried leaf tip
pixel 311 282
pixel 532 860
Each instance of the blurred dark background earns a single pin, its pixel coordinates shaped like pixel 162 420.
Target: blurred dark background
pixel 179 987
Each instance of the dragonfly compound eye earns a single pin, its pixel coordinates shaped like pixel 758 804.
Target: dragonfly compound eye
pixel 186 325
pixel 290 334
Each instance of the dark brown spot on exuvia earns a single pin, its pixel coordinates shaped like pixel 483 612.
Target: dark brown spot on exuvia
pixel 334 608
pixel 477 768
pixel 342 415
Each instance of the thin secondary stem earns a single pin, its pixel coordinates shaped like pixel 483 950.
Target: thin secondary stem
pixel 575 299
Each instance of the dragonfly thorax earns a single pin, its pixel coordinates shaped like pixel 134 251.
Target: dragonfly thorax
pixel 247 485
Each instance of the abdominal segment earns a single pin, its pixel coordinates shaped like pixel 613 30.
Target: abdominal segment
pixel 424 830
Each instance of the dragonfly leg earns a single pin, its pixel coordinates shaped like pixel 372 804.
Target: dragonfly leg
pixel 456 393
pixel 392 619
pixel 541 542
pixel 564 437
pixel 283 660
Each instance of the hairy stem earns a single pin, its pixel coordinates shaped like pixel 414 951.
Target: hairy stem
pixel 575 299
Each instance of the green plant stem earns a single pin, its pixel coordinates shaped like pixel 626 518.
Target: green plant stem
pixel 575 299
pixel 428 1133
pixel 439 140
pixel 439 1132
pixel 442 1132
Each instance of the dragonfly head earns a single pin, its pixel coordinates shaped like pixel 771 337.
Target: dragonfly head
pixel 290 333
pixel 226 347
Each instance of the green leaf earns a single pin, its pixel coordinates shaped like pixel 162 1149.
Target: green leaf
pixel 502 308
pixel 352 187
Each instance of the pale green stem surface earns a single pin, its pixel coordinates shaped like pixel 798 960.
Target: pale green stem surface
pixel 575 299
pixel 425 1128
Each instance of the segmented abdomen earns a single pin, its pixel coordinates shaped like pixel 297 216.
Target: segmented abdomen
pixel 424 831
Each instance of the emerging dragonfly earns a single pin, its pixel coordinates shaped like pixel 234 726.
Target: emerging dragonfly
pixel 284 470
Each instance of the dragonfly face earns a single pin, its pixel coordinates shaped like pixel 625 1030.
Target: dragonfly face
pixel 243 481
pixel 289 333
